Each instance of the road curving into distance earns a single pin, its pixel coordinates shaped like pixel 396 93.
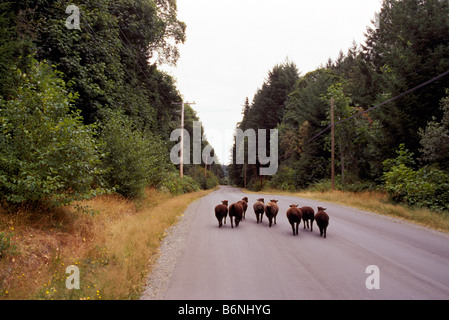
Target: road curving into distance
pixel 365 256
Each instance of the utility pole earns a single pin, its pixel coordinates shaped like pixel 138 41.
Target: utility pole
pixel 181 165
pixel 205 167
pixel 244 175
pixel 332 146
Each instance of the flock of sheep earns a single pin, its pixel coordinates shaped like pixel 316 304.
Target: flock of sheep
pixel 237 212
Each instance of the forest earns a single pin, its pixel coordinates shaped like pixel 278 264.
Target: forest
pixel 86 111
pixel 401 147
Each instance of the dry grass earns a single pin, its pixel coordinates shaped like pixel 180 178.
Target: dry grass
pixel 377 202
pixel 112 240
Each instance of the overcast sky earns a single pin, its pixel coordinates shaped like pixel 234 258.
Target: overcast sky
pixel 232 44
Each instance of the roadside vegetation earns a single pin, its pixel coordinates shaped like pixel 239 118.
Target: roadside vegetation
pixel 399 148
pixel 113 240
pixel 85 123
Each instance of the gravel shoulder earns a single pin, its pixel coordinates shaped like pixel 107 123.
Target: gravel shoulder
pixel 169 252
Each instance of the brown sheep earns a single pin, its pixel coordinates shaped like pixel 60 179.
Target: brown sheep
pixel 259 208
pixel 271 211
pixel 294 215
pixel 236 212
pixel 245 206
pixel 221 212
pixel 322 221
pixel 308 214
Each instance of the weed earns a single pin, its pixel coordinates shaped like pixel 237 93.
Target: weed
pixel 112 248
pixel 6 244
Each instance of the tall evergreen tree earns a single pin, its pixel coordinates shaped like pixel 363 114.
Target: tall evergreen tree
pixel 266 112
pixel 409 47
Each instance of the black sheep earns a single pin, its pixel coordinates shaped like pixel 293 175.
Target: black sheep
pixel 259 208
pixel 271 211
pixel 294 215
pixel 245 206
pixel 236 212
pixel 308 214
pixel 221 212
pixel 322 221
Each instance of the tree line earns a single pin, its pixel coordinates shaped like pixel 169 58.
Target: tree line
pixel 87 111
pixel 401 147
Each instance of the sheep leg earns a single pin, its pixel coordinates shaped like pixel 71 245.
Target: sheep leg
pixel 325 233
pixel 297 226
pixel 232 224
pixel 311 225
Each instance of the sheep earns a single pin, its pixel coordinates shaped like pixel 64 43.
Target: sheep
pixel 245 206
pixel 221 212
pixel 271 211
pixel 294 215
pixel 236 212
pixel 308 214
pixel 259 208
pixel 322 221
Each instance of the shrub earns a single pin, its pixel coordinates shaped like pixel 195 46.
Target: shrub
pixel 205 182
pixel 284 179
pixel 176 185
pixel 426 187
pixel 47 154
pixel 134 159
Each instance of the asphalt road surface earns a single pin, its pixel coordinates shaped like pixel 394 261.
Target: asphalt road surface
pixel 254 261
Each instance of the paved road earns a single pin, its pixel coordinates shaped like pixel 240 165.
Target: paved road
pixel 255 262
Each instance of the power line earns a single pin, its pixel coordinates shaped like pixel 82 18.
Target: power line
pixel 379 105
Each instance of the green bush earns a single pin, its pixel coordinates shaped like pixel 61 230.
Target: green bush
pixel 134 159
pixel 426 187
pixel 176 185
pixel 47 154
pixel 205 182
pixel 284 179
